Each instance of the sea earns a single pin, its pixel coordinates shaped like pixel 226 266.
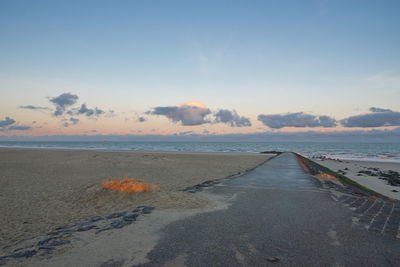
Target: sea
pixel 387 152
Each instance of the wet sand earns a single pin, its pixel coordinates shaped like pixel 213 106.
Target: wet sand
pixel 351 169
pixel 42 189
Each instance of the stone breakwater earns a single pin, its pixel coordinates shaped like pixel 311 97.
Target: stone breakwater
pixel 60 237
pixel 376 213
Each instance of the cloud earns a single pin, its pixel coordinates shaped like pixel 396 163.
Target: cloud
pixel 378 118
pixel 90 112
pixel 71 121
pixel 20 128
pixel 62 102
pixel 33 107
pixel 141 119
pixel 6 122
pixel 374 109
pixel 7 125
pixel 298 119
pixel 231 118
pixel 186 133
pixel 190 113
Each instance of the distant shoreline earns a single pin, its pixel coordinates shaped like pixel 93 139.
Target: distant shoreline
pixel 130 151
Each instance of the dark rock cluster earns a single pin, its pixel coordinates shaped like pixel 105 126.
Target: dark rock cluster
pixel 322 158
pixel 391 177
pixel 60 236
pixel 199 187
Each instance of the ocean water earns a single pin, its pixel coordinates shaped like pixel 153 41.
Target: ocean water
pixel 360 151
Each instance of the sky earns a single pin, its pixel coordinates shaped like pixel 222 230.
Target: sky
pixel 198 67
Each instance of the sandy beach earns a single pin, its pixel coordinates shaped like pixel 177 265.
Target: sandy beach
pixel 42 189
pixel 366 173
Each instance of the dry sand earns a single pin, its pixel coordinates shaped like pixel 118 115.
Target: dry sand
pixel 42 189
pixel 372 182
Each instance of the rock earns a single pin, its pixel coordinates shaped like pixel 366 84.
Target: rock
pixel 147 209
pixel 46 247
pixel 130 217
pixel 96 219
pixel 119 224
pixel 86 227
pixel 64 227
pixel 394 190
pixel 116 215
pixel 44 241
pixel 207 183
pixel 137 210
pixel 57 232
pixel 24 254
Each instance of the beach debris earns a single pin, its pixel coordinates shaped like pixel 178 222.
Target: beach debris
pixel 128 185
pixel 62 235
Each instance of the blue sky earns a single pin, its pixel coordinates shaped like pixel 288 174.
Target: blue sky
pixel 334 58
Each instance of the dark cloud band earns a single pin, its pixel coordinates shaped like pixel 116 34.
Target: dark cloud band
pixel 31 107
pixel 298 119
pixel 378 118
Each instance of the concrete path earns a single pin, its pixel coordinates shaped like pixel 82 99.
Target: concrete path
pixel 278 216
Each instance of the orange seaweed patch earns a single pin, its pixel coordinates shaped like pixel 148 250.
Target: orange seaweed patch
pixel 128 185
pixel 324 175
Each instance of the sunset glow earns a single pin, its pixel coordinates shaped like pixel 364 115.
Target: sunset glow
pixel 172 76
